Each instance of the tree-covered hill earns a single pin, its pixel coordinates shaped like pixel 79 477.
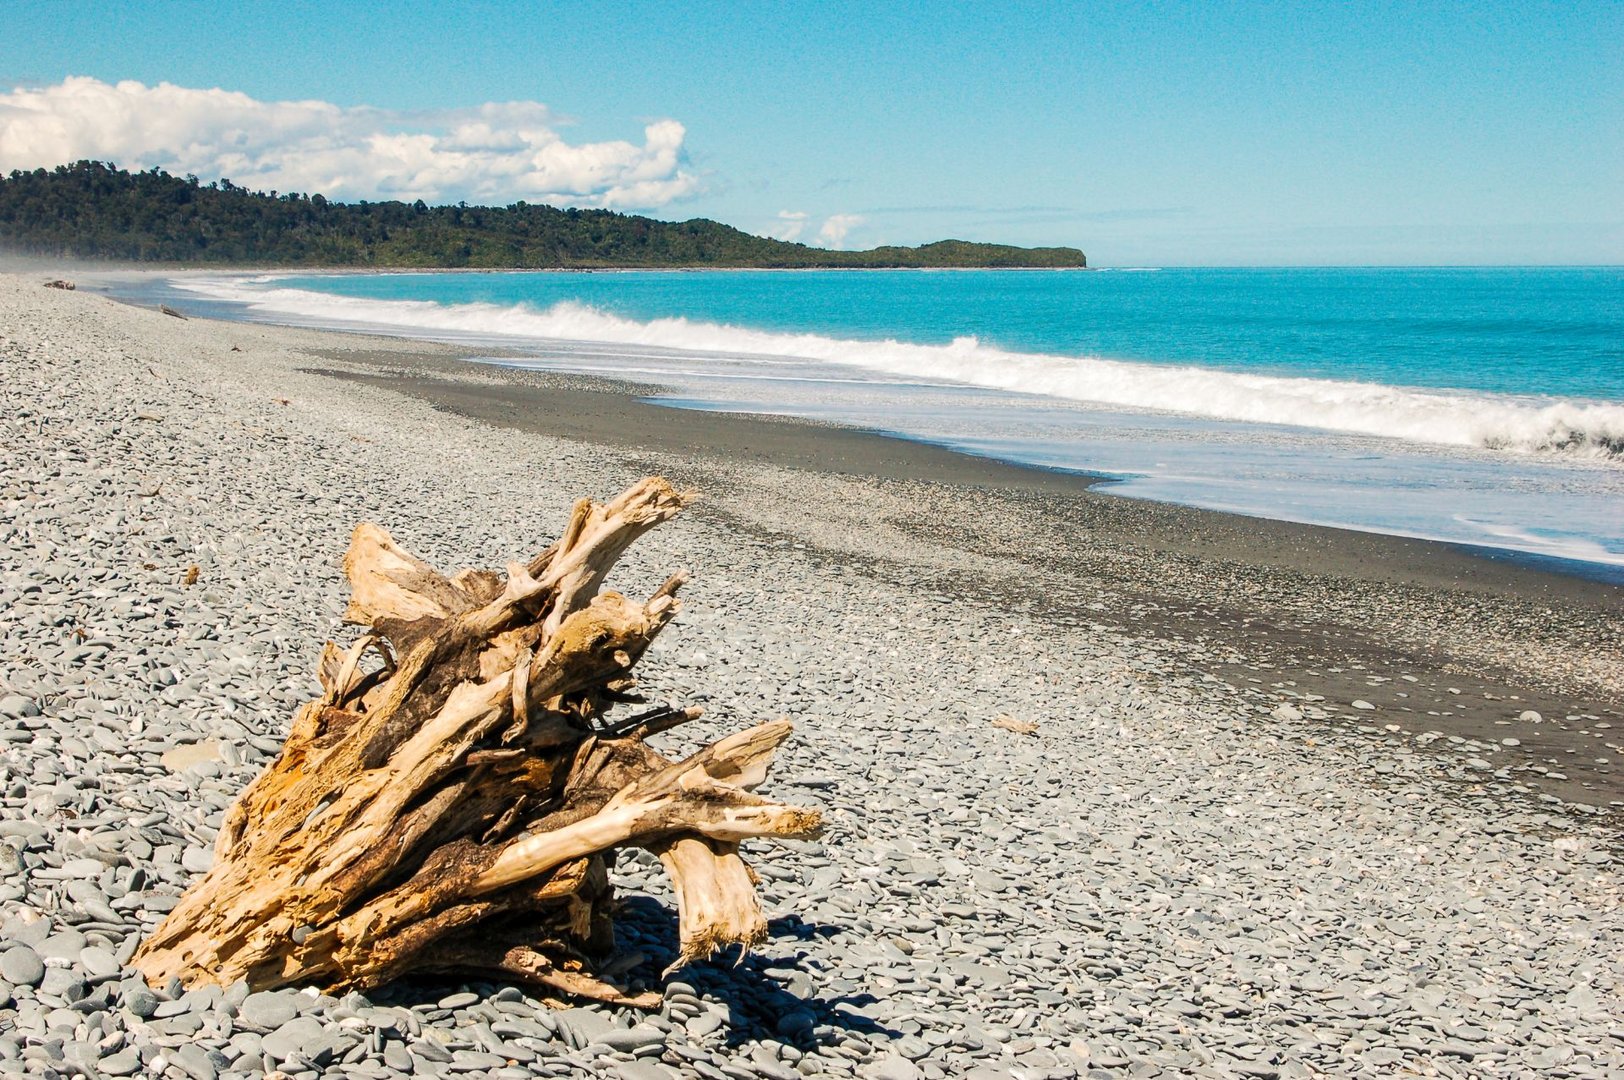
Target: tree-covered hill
pixel 93 210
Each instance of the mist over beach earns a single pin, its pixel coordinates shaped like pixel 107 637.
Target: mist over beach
pixel 699 542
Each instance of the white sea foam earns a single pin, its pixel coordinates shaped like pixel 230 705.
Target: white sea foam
pixel 1450 418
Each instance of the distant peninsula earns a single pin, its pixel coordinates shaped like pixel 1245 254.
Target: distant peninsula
pixel 92 210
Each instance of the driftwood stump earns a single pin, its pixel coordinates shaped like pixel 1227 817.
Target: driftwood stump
pixel 452 802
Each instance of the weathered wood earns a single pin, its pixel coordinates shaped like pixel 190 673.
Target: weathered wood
pixel 453 799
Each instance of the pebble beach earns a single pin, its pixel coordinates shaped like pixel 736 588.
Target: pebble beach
pixel 1223 853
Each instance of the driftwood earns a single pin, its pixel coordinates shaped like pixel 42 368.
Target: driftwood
pixel 1019 727
pixel 453 800
pixel 167 310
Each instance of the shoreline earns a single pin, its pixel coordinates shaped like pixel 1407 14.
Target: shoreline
pixel 1555 560
pixel 1282 582
pixel 24 264
pixel 1173 875
pixel 836 447
pixel 1297 599
pixel 1601 573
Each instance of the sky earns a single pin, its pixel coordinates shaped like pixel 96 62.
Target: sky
pixel 1146 134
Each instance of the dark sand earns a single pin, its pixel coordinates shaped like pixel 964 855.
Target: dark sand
pixel 1436 638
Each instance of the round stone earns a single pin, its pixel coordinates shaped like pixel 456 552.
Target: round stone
pixel 268 1009
pixel 295 1035
pixel 98 962
pixel 141 1001
pixel 126 1062
pixel 21 966
pixel 796 1022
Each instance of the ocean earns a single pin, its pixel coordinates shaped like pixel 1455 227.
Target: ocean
pixel 1480 407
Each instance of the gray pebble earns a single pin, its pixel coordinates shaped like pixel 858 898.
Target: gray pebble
pixel 703 1025
pixel 141 1001
pixel 199 860
pixel 643 1070
pixel 64 983
pixel 296 1035
pixel 269 1009
pixel 65 946
pixel 125 1062
pixel 396 1057
pixel 631 1038
pixel 196 1062
pixel 98 962
pixel 21 966
pixel 894 1067
pixel 796 1022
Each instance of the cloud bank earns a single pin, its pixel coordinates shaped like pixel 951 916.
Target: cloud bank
pixel 498 152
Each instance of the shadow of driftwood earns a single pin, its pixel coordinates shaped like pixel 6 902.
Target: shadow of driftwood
pixel 756 988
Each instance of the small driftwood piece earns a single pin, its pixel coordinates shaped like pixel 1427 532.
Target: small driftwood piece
pixel 453 800
pixel 1019 727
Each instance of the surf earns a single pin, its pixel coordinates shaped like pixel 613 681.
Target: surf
pixel 1575 428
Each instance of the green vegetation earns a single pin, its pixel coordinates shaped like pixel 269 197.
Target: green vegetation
pixel 96 211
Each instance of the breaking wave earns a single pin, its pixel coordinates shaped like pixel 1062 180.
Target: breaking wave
pixel 1571 427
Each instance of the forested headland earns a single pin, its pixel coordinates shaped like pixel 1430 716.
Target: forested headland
pixel 92 210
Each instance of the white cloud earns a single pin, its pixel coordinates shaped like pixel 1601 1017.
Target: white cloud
pixel 835 228
pixel 497 152
pixel 791 224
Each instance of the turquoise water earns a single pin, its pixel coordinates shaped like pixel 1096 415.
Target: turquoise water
pixel 1509 331
pixel 1477 406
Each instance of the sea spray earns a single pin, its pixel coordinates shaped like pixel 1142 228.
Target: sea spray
pixel 1528 424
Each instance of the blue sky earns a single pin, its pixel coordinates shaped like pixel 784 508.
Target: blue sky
pixel 1144 133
